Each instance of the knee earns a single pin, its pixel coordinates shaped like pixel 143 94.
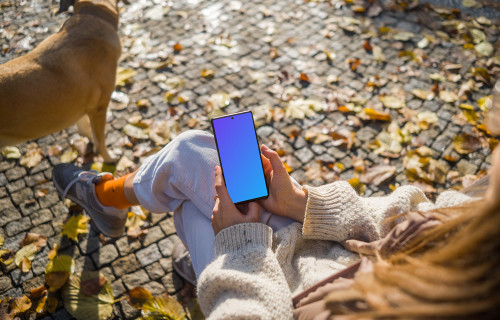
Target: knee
pixel 192 135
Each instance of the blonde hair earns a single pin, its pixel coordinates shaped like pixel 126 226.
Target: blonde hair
pixel 450 271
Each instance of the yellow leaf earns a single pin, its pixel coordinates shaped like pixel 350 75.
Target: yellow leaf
pixel 1 240
pixel 287 167
pixel 163 307
pixel 29 251
pixel 301 108
pixel 11 152
pixel 69 155
pixel 53 252
pixel 357 185
pixel 61 263
pixel 123 76
pixel 75 226
pixel 448 96
pixel 137 296
pixel 6 257
pixel 82 306
pixel 218 100
pixel 485 103
pixel 377 115
pixel 423 94
pixel 207 73
pixel 25 265
pixel 19 305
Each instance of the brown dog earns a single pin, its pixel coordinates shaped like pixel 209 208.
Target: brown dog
pixel 68 77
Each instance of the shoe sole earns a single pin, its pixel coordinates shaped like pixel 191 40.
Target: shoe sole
pixel 106 232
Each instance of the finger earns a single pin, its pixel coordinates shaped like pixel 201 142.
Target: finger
pixel 267 165
pixel 253 214
pixel 360 247
pixel 274 159
pixel 220 188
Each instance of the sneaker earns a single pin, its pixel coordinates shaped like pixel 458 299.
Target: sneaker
pixel 79 186
pixel 181 262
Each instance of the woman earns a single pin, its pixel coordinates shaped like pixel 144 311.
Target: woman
pixel 251 265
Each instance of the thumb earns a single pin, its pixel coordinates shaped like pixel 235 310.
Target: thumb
pixel 253 214
pixel 274 158
pixel 360 247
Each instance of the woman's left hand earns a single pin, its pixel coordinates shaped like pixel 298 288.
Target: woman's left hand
pixel 225 213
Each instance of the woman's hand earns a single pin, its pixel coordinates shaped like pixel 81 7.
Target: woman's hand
pixel 285 198
pixel 225 213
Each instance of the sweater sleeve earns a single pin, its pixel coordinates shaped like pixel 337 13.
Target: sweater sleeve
pixel 335 212
pixel 245 280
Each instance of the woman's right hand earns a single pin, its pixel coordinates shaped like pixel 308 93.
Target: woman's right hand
pixel 285 198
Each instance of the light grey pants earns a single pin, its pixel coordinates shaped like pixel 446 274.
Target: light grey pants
pixel 180 178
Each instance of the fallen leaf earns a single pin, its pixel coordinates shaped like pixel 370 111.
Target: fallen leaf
pixel 316 136
pixel 207 73
pixel 301 108
pixel 357 185
pixel 163 131
pixel 11 152
pixel 163 307
pixel 135 131
pixel 93 285
pixel 403 36
pixel 177 47
pixel 29 251
pixel 19 305
pixel 25 265
pixel 448 96
pixel 83 306
pixel 124 163
pixel 423 94
pixel 6 256
pixel 425 169
pixel 485 103
pixel 32 157
pixel 367 46
pixel 134 223
pixel 378 174
pixel 51 304
pixel 38 240
pixel 58 270
pixel 373 114
pixel 217 101
pixel 137 296
pixel 465 143
pixel 124 76
pixel 484 49
pixel 426 118
pixel 69 155
pixel 1 240
pixel 343 137
pixel 354 63
pixel 437 77
pixel 38 293
pixel 392 102
pixel 378 55
pixel 74 226
pixel 304 77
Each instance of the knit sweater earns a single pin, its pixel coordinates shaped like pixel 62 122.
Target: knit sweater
pixel 256 273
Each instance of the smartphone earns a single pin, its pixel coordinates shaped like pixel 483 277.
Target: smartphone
pixel 239 156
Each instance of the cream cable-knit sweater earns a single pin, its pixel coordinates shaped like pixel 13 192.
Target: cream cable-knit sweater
pixel 255 272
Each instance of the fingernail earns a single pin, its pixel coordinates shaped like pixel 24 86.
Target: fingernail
pixel 265 147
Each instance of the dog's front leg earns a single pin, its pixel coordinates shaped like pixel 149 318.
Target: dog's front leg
pixel 98 125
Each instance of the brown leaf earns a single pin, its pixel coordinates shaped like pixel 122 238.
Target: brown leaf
pixel 25 265
pixel 465 143
pixel 377 115
pixel 53 252
pixel 56 279
pixel 92 286
pixel 20 305
pixel 354 63
pixel 207 73
pixel 367 46
pixel 38 293
pixel 40 241
pixel 378 174
pixel 137 296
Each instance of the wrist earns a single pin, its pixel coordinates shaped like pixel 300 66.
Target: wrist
pixel 297 205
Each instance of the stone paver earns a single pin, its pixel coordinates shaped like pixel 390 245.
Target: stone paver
pixel 258 51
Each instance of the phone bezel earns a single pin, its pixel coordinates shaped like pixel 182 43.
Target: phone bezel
pixel 258 148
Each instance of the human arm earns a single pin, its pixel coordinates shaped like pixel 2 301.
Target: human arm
pixel 245 280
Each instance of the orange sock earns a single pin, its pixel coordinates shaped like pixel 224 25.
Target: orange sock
pixel 110 193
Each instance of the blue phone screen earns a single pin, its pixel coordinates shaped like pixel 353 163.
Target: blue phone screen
pixel 240 157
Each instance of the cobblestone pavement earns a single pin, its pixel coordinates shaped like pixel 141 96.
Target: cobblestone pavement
pixel 265 55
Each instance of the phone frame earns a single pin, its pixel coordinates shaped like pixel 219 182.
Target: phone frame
pixel 258 148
